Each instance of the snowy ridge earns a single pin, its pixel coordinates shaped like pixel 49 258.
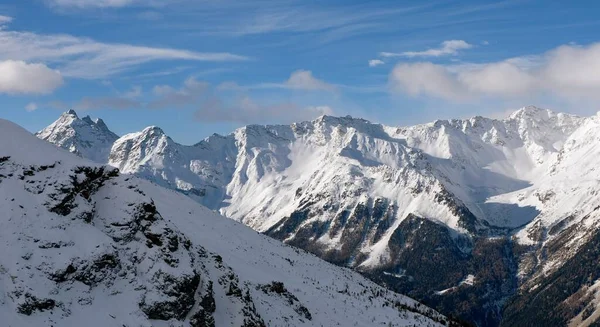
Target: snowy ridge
pixel 87 244
pixel 447 171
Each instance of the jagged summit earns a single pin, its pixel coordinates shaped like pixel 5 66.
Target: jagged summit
pixel 153 130
pixel 340 120
pixel 531 111
pixel 83 136
pixel 88 120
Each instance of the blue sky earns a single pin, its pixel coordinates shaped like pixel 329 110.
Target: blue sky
pixel 198 67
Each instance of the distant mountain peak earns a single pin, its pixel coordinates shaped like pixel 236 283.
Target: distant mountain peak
pixel 82 136
pixel 340 120
pixel 532 112
pixel 153 130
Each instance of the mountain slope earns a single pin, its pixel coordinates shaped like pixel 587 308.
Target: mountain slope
pixel 87 245
pixel 485 157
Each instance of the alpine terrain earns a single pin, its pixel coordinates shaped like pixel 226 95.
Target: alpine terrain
pixel 85 245
pixel 492 221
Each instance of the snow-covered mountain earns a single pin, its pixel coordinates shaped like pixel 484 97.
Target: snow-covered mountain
pixel 469 216
pixel 83 136
pixel 86 245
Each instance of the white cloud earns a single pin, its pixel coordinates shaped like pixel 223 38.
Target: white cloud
pixel 389 54
pixel 304 80
pixel 425 78
pixel 86 58
pixel 375 62
pixel 5 20
pixel 498 79
pixel 32 106
pixel 573 70
pixel 450 47
pixel 568 72
pixel 19 77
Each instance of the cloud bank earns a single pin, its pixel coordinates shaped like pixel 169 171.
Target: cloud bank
pixel 568 72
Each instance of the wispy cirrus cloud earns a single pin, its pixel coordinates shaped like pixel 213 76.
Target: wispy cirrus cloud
pixel 567 72
pixel 375 62
pixel 261 17
pixel 450 47
pixel 90 3
pixel 89 59
pixel 86 4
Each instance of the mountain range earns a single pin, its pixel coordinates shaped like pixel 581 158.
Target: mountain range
pixel 491 221
pixel 85 245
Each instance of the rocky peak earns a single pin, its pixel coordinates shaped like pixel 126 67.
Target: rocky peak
pixel 82 136
pixel 153 130
pixel 100 123
pixel 531 111
pixel 88 120
pixel 345 120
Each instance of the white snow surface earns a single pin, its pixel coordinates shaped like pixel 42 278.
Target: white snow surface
pixel 99 264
